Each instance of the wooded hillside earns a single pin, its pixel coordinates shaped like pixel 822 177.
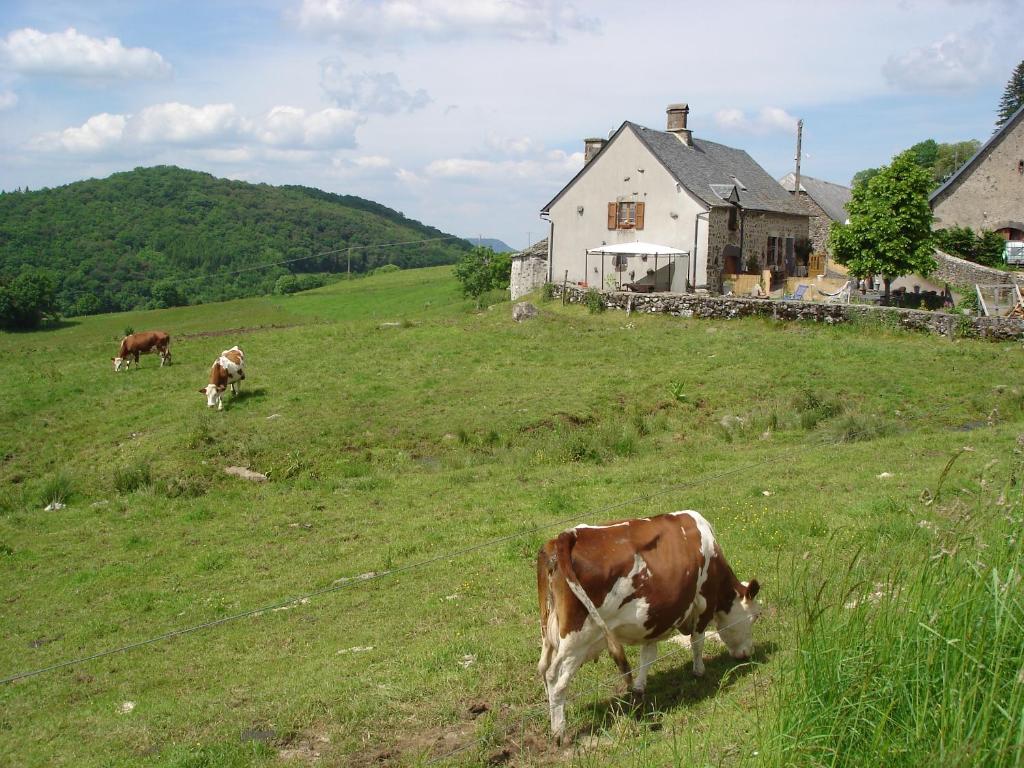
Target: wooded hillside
pixel 163 236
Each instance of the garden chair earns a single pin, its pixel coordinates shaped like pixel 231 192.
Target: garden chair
pixel 798 294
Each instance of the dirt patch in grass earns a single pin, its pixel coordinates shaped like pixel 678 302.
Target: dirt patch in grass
pixel 505 740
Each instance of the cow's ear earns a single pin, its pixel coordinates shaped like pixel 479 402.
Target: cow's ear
pixel 202 391
pixel 221 387
pixel 752 589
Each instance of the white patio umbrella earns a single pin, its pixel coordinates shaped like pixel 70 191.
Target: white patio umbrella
pixel 637 249
pixel 634 249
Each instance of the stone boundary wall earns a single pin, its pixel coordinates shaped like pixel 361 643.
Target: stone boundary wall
pixel 957 271
pixel 723 308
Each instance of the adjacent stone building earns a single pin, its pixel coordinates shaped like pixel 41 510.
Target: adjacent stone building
pixel 708 200
pixel 988 190
pixel 825 202
pixel 529 269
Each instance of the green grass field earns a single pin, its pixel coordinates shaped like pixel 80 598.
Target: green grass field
pixel 396 425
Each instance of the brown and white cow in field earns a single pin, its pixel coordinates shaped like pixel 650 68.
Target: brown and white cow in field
pixel 139 343
pixel 635 582
pixel 228 369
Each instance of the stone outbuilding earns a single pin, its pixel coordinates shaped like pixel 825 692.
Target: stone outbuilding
pixel 825 202
pixel 529 269
pixel 988 190
pixel 727 214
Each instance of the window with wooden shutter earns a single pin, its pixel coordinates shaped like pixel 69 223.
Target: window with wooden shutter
pixel 613 215
pixel 640 215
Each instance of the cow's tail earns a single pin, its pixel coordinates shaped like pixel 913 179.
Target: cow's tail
pixel 563 561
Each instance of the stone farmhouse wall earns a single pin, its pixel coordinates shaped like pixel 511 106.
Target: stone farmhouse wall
pixel 723 308
pixel 528 274
pixel 818 224
pixel 757 227
pixel 989 195
pixel 957 271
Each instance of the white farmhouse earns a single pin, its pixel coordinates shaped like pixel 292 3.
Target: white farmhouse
pixel 667 190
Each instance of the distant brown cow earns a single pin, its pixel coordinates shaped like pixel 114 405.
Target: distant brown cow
pixel 227 369
pixel 140 343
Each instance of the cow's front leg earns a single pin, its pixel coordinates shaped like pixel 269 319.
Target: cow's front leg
pixel 648 653
pixel 234 388
pixel 697 646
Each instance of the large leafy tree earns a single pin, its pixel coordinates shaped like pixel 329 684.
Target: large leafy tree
pixel 890 229
pixel 1013 95
pixel 481 270
pixel 940 160
pixel 27 299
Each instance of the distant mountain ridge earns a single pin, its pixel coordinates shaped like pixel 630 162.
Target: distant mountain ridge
pixel 164 235
pixel 494 244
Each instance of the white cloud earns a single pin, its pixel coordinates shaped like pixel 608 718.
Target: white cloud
pixel 281 132
pixel 506 145
pixel 97 135
pixel 7 100
pixel 545 166
pixel 371 161
pixel 367 20
pixel 768 120
pixel 175 123
pixel 72 54
pixel 379 92
pixel 955 62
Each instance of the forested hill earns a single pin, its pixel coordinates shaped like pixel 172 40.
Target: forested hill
pixel 160 236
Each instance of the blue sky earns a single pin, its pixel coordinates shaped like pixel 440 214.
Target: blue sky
pixel 470 116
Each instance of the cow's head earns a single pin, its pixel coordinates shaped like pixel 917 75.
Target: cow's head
pixel 213 394
pixel 736 625
pixel 118 362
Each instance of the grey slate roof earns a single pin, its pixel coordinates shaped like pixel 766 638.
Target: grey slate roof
pixel 831 197
pixel 538 250
pixel 966 169
pixel 707 163
pixel 707 169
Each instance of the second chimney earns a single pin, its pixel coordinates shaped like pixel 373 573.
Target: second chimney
pixel 676 122
pixel 591 147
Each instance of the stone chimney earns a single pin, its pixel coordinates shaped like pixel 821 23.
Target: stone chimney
pixel 591 147
pixel 677 114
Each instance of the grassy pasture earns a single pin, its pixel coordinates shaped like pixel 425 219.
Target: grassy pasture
pixel 389 445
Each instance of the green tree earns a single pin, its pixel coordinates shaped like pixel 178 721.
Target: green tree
pixel 890 229
pixel 27 299
pixel 166 294
pixel 925 153
pixel 481 270
pixel 1013 95
pixel 950 157
pixel 986 248
pixel 862 177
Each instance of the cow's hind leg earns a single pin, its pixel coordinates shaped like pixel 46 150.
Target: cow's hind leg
pixel 697 646
pixel 619 654
pixel 648 653
pixel 573 650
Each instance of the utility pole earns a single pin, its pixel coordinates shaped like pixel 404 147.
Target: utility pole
pixel 799 141
pixel 349 263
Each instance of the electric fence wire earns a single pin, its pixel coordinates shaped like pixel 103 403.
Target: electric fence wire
pixel 361 580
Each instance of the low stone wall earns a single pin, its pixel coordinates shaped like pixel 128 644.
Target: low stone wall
pixel 957 271
pixel 723 308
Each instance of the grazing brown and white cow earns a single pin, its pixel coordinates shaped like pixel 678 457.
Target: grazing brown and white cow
pixel 228 369
pixel 139 343
pixel 635 582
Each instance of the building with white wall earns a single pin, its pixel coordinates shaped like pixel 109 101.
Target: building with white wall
pixel 667 187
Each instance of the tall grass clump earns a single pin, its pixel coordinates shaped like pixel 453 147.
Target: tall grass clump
pixel 56 490
pixel 132 477
pixel 923 668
